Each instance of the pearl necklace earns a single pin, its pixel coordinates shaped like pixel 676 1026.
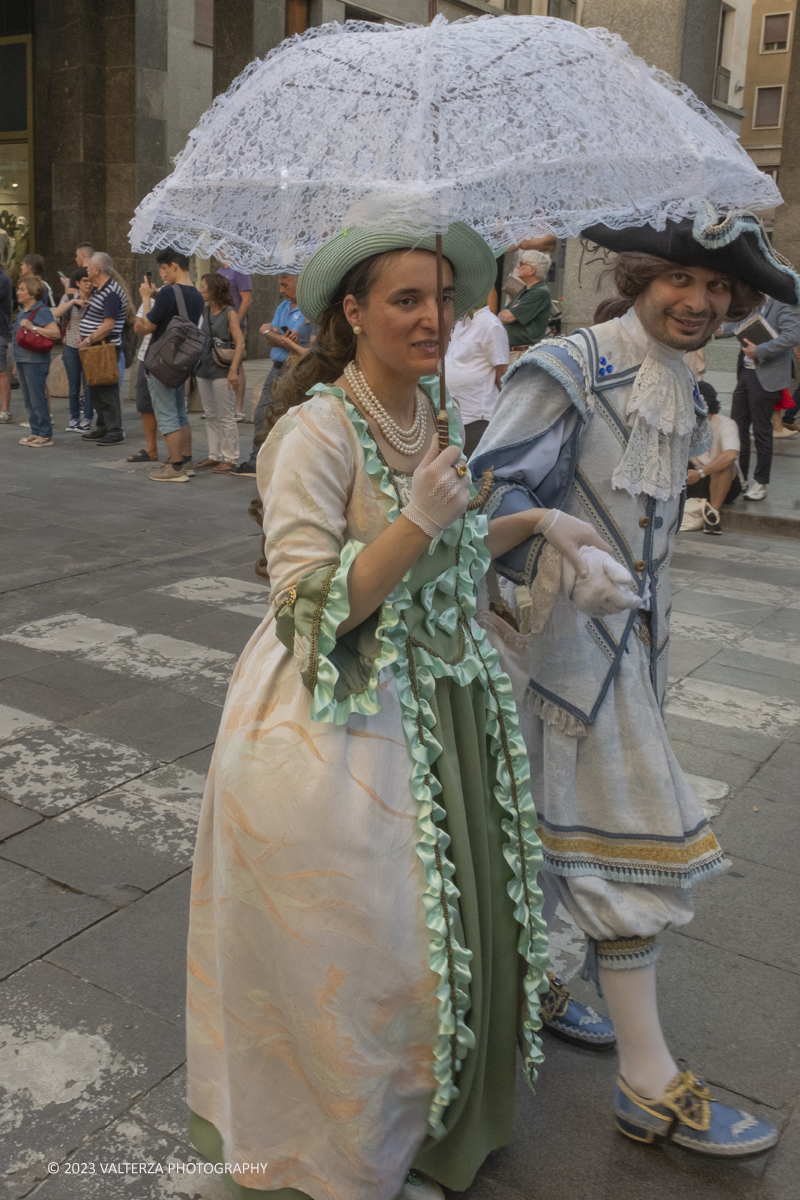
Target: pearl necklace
pixel 405 441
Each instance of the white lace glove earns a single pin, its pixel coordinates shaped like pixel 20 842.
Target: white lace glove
pixel 439 495
pixel 569 536
pixel 606 589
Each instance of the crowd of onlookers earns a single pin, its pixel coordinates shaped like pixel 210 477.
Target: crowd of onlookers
pixel 97 308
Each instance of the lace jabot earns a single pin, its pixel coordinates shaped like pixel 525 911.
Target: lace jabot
pixel 664 428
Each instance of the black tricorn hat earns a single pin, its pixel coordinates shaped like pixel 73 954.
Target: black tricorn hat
pixel 735 244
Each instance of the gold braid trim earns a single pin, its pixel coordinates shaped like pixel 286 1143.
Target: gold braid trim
pixel 624 947
pixel 316 623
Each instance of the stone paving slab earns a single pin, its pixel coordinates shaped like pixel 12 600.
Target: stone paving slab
pixel 16 660
pixel 761 828
pixel 133 1160
pixel 76 675
pixel 72 1058
pixel 719 764
pixel 750 911
pixel 14 818
pixel 36 915
pixel 133 838
pixel 44 700
pixel 14 722
pixel 781 774
pixel 55 768
pixel 139 953
pixel 146 611
pixel 161 723
pixel 729 740
pixel 771 684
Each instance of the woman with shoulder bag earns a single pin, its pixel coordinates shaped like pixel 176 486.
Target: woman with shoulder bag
pixel 217 372
pixel 34 332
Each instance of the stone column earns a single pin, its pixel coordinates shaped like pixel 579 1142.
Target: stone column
pixel 244 30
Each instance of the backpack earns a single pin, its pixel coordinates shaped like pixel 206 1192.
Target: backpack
pixel 177 352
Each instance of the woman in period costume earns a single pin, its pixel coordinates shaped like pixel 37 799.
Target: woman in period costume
pixel 366 944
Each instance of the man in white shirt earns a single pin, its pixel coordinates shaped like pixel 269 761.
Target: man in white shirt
pixel 715 476
pixel 476 361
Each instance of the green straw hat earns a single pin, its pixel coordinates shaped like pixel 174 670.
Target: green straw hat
pixel 474 265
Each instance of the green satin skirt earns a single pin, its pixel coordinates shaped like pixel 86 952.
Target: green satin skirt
pixel 479 1120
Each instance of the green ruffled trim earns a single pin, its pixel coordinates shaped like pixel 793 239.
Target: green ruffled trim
pixel 336 609
pixel 515 797
pixel 447 957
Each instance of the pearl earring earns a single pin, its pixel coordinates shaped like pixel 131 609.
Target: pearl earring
pixel 356 330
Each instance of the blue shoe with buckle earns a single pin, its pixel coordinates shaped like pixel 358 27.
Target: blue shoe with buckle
pixel 574 1022
pixel 687 1116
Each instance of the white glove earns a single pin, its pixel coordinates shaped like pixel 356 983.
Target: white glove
pixel 607 587
pixel 439 495
pixel 569 536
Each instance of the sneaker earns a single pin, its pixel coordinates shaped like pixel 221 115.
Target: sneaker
pixel 24 424
pixel 757 492
pixel 111 439
pixel 94 436
pixel 687 1115
pixel 83 425
pixel 188 467
pixel 711 519
pixel 238 416
pixel 5 418
pixel 572 1021
pixel 166 473
pixel 243 471
pixel 73 426
pixel 782 433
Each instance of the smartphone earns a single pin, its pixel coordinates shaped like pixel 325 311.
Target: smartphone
pixel 284 329
pixel 61 275
pixel 149 276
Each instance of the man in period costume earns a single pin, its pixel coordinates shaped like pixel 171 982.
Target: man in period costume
pixel 601 424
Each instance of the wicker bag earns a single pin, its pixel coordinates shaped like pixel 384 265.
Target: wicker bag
pixel 99 364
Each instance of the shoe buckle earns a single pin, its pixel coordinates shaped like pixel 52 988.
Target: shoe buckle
pixel 555 1001
pixel 690 1100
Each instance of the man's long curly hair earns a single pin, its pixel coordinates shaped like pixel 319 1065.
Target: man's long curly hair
pixel 633 273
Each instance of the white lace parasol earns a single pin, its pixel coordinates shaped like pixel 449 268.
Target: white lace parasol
pixel 517 125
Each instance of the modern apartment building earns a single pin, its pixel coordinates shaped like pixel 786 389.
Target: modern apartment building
pixel 769 62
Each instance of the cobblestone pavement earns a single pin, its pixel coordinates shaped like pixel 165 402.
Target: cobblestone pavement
pixel 124 606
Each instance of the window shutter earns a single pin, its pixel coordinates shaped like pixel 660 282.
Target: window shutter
pixel 204 22
pixel 768 107
pixel 776 31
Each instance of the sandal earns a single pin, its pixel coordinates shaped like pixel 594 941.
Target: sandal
pixel 26 441
pixel 36 442
pixel 207 463
pixel 141 456
pixel 222 468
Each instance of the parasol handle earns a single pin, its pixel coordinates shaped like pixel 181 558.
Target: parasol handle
pixel 441 421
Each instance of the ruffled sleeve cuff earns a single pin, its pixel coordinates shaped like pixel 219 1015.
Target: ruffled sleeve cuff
pixel 341 673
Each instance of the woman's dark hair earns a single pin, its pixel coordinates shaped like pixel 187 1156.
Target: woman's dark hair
pixel 165 257
pixel 634 272
pixel 607 310
pixel 219 289
pixel 35 262
pixel 709 394
pixel 333 348
pixel 80 273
